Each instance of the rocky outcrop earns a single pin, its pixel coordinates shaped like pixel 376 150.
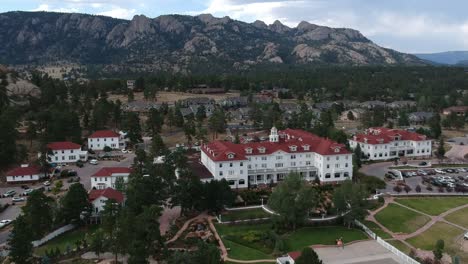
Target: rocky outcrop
pixel 181 43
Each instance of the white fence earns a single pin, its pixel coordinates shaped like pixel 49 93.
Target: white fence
pixel 405 258
pixel 53 234
pixel 397 252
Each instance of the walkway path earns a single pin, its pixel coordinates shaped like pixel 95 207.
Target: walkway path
pixel 185 226
pixel 403 237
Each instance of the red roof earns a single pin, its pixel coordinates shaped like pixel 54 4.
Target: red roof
pixel 382 135
pixel 63 145
pixel 22 171
pixel 104 134
pixel 108 171
pixel 295 254
pixel 291 141
pixel 109 193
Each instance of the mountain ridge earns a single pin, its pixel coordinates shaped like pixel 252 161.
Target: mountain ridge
pixel 445 57
pixel 181 43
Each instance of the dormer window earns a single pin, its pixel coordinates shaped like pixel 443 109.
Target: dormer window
pixel 230 155
pixel 380 140
pixel 248 150
pixel 293 148
pixel 306 147
pixel 261 149
pixel 365 140
pixel 337 150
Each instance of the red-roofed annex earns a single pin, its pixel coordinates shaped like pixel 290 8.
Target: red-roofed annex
pixel 380 143
pixel 286 151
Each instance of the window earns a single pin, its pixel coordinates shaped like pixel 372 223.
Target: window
pixel 241 163
pixel 220 173
pixel 230 156
pixel 328 166
pixel 293 156
pixel 293 163
pixel 261 150
pixel 308 155
pixel 327 176
pixel 346 174
pixel 306 147
pixel 72 157
pixel 232 182
pixel 293 148
pixel 249 166
pixel 279 165
pixel 231 172
pixel 346 165
pixel 248 150
pixel 220 165
pixel 328 158
pixel 241 182
pixel 63 151
pixel 279 157
pixel 264 165
pixel 264 158
pixel 230 164
pixel 337 157
pixel 307 163
pixel 71 151
pixel 105 139
pixel 337 175
pixel 259 178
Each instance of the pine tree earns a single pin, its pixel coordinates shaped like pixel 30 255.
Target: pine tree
pixel 308 256
pixel 20 241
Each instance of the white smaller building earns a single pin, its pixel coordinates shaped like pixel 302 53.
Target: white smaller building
pixel 98 198
pixel 102 138
pixel 25 173
pixel 290 258
pixel 382 143
pixel 65 152
pixel 106 177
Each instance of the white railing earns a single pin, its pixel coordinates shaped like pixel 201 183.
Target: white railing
pixel 405 258
pixel 53 235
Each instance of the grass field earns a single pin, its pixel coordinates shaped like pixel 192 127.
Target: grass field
pixel 433 205
pixel 233 237
pixel 308 236
pixel 244 214
pixel 67 239
pixel 400 245
pixel 400 219
pixel 376 229
pixel 438 231
pixel 459 217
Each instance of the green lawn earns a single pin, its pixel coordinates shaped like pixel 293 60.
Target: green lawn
pixel 438 231
pixel 308 236
pixel 241 252
pixel 234 237
pixel 376 229
pixel 400 245
pixel 244 214
pixel 459 217
pixel 433 205
pixel 400 219
pixel 62 241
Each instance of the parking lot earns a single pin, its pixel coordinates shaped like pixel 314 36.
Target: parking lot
pixel 84 173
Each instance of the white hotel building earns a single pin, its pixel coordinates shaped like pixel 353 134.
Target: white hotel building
pixel 65 152
pixel 270 161
pixel 384 143
pixel 107 176
pixel 102 138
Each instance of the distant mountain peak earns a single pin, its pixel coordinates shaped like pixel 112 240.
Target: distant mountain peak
pixel 181 43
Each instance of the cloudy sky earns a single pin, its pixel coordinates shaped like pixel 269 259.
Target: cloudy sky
pixel 404 25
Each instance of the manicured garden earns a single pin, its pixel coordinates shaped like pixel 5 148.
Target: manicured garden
pixel 249 242
pixel 65 240
pixel 244 214
pixel 399 219
pixel 459 217
pixel 376 229
pixel 433 205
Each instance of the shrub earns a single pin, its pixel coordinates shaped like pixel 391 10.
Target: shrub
pixel 441 189
pixel 397 189
pixel 252 236
pixel 407 188
pixel 429 188
pixel 418 188
pixel 449 189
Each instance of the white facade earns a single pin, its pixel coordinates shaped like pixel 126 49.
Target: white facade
pixel 24 178
pixel 273 166
pixel 389 145
pixel 101 143
pixel 106 177
pixel 25 173
pixel 61 156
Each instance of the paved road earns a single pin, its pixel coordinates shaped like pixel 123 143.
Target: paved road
pixel 84 173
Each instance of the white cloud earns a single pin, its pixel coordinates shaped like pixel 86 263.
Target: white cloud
pixel 45 7
pixel 119 12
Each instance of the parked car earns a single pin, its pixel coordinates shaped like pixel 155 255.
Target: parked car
pixel 47 183
pixel 421 172
pixel 27 192
pixel 422 163
pixel 124 151
pixel 79 164
pixel 129 150
pixel 93 162
pixel 466 236
pixel 4 223
pixel 25 187
pixel 439 171
pixel 72 173
pixel 18 199
pixel 9 193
